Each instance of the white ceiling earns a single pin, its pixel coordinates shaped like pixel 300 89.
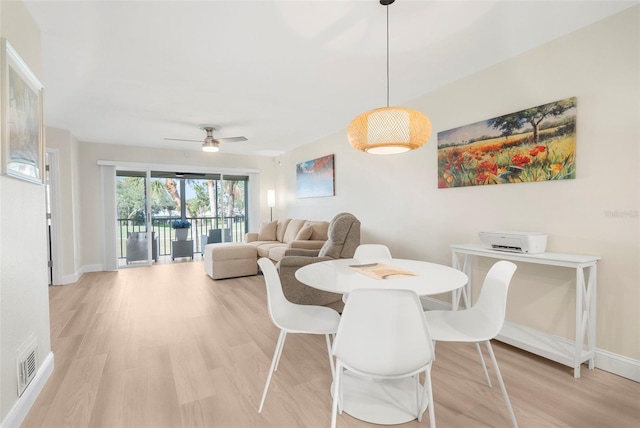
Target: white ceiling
pixel 281 73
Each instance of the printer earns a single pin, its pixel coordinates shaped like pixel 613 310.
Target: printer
pixel 516 242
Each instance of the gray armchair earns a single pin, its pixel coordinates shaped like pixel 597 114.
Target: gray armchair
pixel 343 239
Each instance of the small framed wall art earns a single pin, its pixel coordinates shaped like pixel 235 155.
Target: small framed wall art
pixel 315 178
pixel 21 112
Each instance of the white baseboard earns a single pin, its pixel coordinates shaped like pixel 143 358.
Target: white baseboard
pixel 618 364
pixel 605 360
pixel 92 268
pixel 70 279
pixel 20 410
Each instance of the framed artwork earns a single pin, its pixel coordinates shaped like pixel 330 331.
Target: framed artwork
pixel 315 178
pixel 22 127
pixel 536 144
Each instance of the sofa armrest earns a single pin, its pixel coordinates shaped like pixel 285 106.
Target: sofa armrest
pixel 308 245
pixel 299 293
pixel 251 236
pixel 302 252
pixel 297 261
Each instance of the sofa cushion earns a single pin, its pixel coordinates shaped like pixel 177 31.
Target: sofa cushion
pixel 305 233
pixel 319 230
pixel 267 231
pixel 276 253
pixel 293 228
pixel 264 247
pixel 229 251
pixel 282 228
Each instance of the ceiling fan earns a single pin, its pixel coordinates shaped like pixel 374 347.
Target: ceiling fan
pixel 211 144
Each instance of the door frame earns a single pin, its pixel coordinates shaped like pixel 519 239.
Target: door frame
pixel 54 201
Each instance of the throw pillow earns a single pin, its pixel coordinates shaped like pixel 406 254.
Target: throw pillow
pixel 304 234
pixel 268 231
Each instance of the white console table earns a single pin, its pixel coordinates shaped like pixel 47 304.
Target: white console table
pixel 572 355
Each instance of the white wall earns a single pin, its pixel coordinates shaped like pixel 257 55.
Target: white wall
pixel 399 204
pixel 24 297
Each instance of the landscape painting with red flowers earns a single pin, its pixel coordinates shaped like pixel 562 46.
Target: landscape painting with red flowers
pixel 536 144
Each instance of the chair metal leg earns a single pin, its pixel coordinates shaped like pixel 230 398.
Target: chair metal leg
pixel 333 369
pixel 419 398
pixel 429 388
pixel 337 390
pixel 484 366
pixel 502 387
pixel 426 400
pixel 281 343
pixel 274 365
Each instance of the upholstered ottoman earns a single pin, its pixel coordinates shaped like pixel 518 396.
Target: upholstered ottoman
pixel 229 260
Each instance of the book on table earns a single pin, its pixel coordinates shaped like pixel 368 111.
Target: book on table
pixel 381 270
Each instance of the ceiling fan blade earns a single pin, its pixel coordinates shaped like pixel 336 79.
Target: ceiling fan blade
pixel 182 139
pixel 231 139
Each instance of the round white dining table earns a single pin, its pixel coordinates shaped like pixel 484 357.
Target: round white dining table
pixel 338 276
pixel 384 402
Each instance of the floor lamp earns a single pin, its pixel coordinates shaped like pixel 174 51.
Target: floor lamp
pixel 271 201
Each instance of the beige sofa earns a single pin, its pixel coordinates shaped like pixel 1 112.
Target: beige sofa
pixel 278 236
pixel 234 259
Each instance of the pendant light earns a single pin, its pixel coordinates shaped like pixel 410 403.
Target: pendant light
pixel 389 130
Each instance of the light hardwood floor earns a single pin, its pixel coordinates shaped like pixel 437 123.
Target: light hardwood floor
pixel 165 346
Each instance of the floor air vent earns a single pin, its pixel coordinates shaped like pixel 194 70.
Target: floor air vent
pixel 27 364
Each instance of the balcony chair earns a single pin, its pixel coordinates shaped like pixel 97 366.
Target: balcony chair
pixel 214 237
pixel 137 246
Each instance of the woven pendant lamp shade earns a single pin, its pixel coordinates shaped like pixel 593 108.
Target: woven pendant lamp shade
pixel 389 130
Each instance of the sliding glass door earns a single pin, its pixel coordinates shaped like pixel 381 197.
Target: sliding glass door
pixel 214 205
pixel 136 242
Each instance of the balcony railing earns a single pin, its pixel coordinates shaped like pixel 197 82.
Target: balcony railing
pixel 234 229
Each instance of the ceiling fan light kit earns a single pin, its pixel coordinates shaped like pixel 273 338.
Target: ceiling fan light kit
pixel 389 130
pixel 210 144
pixel 210 147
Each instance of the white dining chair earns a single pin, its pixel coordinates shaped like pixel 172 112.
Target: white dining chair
pixel 480 323
pixel 292 318
pixel 370 251
pixel 383 335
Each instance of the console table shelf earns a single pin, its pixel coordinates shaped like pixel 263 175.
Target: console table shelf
pixel 558 350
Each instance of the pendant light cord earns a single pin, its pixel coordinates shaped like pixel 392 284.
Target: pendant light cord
pixel 387 55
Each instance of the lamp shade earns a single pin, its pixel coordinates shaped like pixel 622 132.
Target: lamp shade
pixel 271 198
pixel 389 130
